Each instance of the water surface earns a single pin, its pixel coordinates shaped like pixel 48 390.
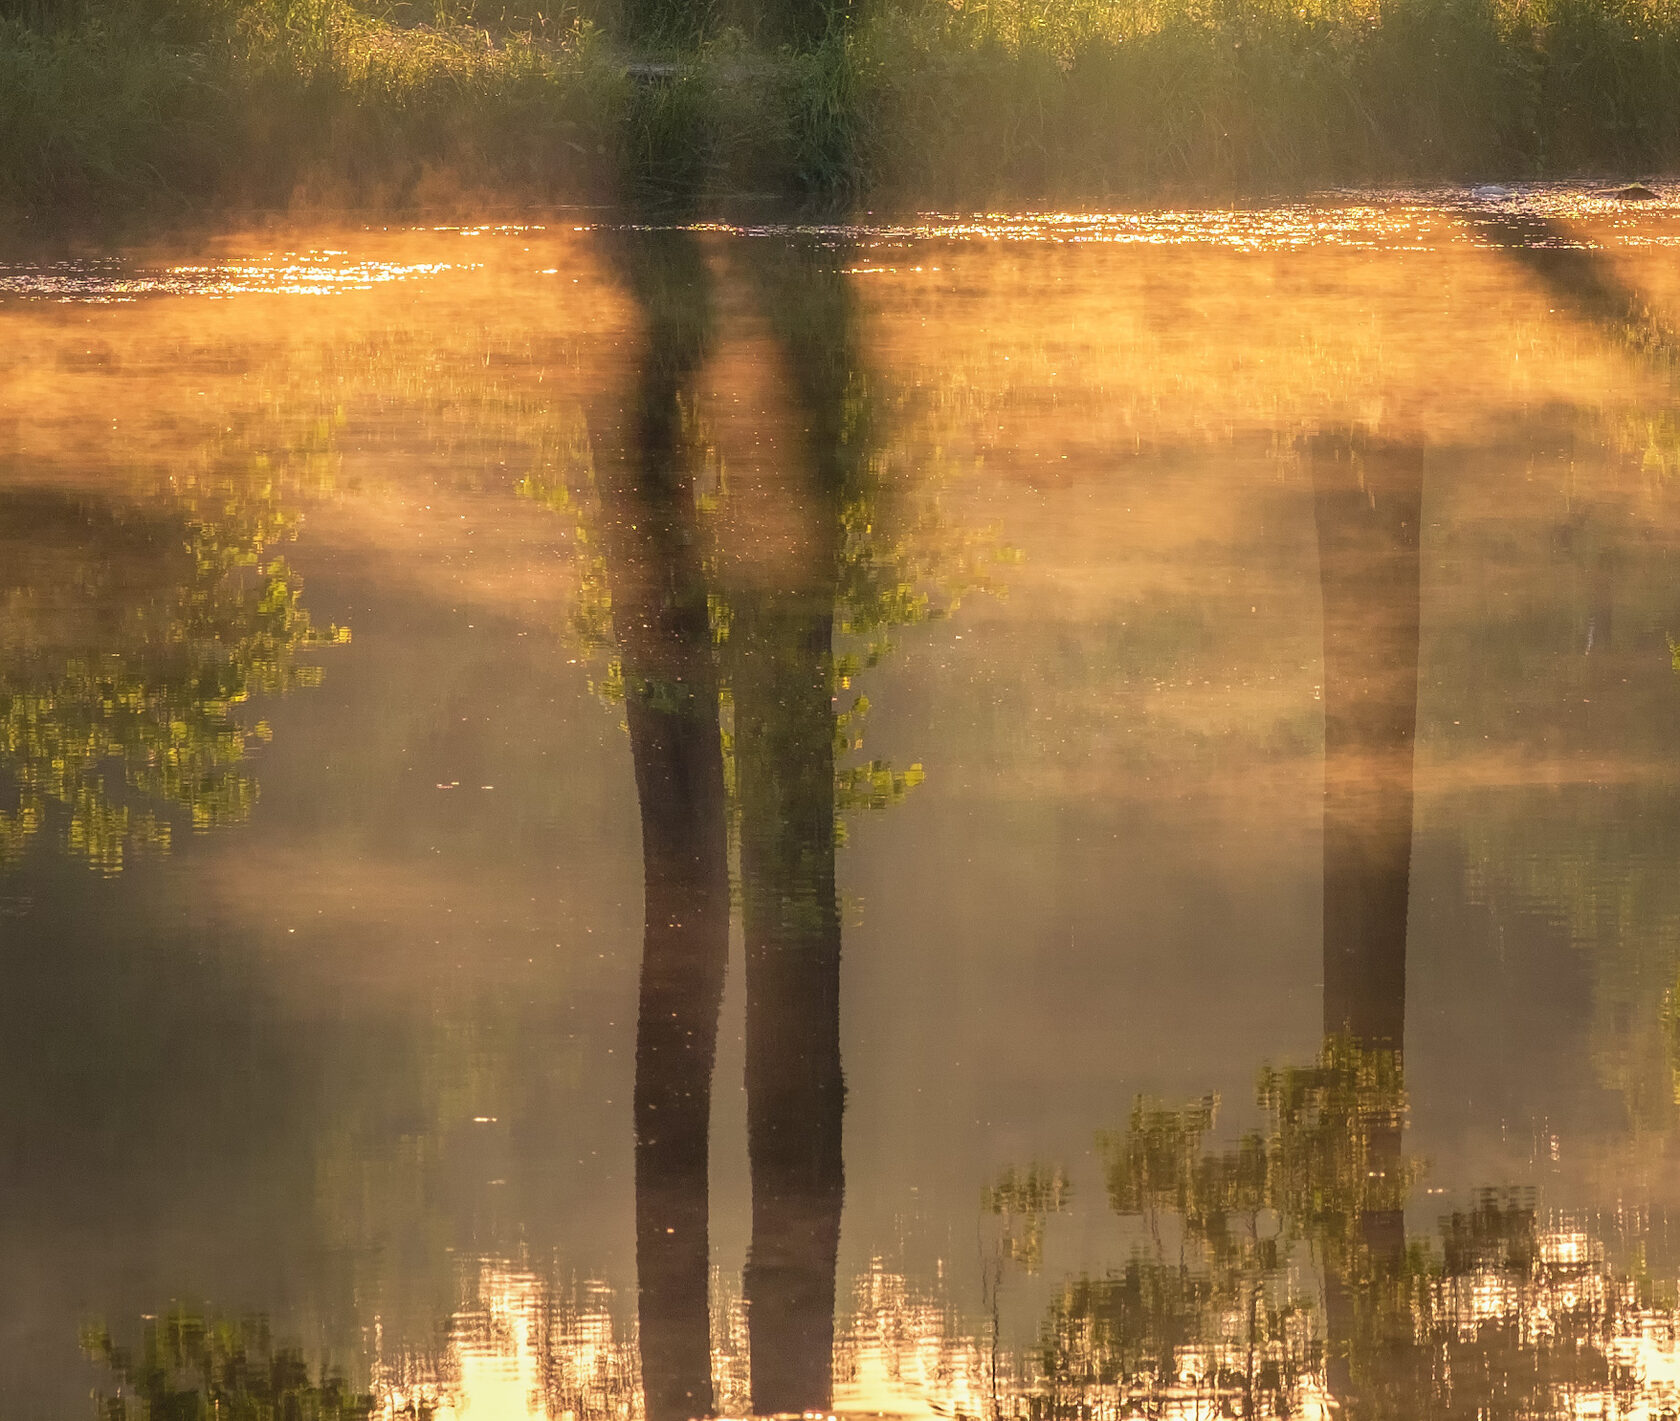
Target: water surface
pixel 1001 817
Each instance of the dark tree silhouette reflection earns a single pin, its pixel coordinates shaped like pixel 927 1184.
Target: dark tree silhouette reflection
pixel 1367 499
pixel 781 657
pixel 1327 1172
pixel 659 593
pixel 674 606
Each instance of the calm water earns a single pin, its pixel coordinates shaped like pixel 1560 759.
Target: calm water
pixel 1017 817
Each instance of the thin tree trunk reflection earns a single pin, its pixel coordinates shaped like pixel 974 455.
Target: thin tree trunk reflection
pixel 1368 501
pixel 784 727
pixel 783 683
pixel 660 614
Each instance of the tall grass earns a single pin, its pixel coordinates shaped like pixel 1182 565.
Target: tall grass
pixel 105 104
pixel 1128 98
pixel 92 117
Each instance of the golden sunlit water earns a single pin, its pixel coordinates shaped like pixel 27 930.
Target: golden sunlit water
pixel 1032 816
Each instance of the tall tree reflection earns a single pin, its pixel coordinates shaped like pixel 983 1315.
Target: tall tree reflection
pixel 660 595
pixel 781 657
pixel 661 617
pixel 1367 500
pixel 1327 1171
pixel 778 668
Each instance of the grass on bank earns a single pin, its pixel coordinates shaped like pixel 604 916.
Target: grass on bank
pixel 113 105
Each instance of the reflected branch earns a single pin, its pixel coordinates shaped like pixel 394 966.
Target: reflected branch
pixel 132 639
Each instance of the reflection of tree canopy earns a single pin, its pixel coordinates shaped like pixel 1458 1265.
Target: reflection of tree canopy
pixel 1316 1165
pixel 131 633
pixel 1494 1317
pixel 1154 1331
pixel 1228 1312
pixel 1217 1303
pixel 1022 1199
pixel 193 1368
pixel 897 561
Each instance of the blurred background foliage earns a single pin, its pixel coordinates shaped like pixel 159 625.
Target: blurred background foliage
pixel 114 106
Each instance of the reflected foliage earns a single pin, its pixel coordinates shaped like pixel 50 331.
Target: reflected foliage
pixel 1153 1331
pixel 896 562
pixel 131 638
pixel 192 1367
pixel 1280 1277
pixel 1230 1312
pixel 1318 1165
pixel 1022 1199
pixel 892 577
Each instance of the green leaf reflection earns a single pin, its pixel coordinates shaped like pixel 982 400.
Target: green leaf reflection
pixel 191 1367
pixel 133 635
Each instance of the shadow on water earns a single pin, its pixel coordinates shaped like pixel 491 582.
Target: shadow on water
pixel 1584 283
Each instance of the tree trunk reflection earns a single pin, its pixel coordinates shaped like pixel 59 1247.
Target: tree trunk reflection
pixel 1368 501
pixel 783 681
pixel 661 617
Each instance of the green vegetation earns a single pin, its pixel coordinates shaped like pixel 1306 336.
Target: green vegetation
pixel 1023 1199
pixel 1281 1268
pixel 897 561
pixel 1327 1158
pixel 134 639
pixel 110 105
pixel 192 1368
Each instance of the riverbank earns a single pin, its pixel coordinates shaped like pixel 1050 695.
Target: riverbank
pixel 162 107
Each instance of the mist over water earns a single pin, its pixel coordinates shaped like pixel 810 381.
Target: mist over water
pixel 1006 816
